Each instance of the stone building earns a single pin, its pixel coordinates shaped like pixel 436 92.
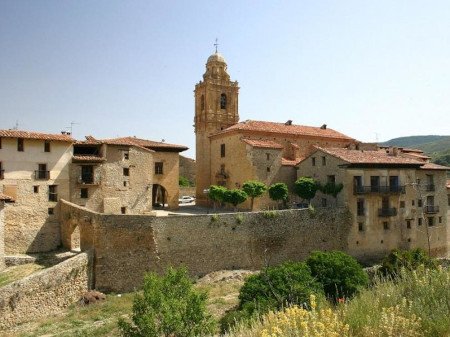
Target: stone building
pixel 35 173
pixel 229 152
pixel 396 201
pixel 125 175
pixel 3 199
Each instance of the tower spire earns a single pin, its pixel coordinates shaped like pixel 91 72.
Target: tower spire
pixel 216 45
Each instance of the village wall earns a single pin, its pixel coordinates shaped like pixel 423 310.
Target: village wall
pixel 45 292
pixel 2 236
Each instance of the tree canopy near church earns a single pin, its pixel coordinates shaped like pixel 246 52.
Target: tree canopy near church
pixel 235 197
pixel 254 189
pixel 279 192
pixel 306 188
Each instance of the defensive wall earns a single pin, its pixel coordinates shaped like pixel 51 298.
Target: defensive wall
pixel 127 246
pixel 45 292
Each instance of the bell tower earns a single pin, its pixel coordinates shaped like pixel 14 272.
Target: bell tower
pixel 216 108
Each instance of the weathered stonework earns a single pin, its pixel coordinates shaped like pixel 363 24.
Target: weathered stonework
pixel 2 236
pixel 45 292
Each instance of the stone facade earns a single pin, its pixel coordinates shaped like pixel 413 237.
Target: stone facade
pixel 388 216
pixel 2 236
pixel 46 292
pixel 36 178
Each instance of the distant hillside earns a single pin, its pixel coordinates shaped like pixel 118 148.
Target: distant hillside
pixel 437 147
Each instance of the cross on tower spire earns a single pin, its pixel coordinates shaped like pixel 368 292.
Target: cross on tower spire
pixel 216 44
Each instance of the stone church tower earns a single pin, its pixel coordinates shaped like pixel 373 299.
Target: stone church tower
pixel 216 108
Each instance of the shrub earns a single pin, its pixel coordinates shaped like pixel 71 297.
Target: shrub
pixel 235 197
pixel 217 194
pixel 184 182
pixel 340 274
pixel 409 259
pixel 168 306
pixel 279 192
pixel 254 189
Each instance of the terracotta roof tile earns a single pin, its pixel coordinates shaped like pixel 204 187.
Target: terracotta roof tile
pixel 282 128
pixel 144 143
pixel 87 158
pixel 263 143
pixel 35 135
pixel 432 166
pixel 369 157
pixel 289 162
pixel 5 197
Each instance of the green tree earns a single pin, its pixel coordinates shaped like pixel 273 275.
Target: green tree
pixel 408 259
pixel 217 194
pixel 254 189
pixel 235 197
pixel 306 188
pixel 184 182
pixel 168 306
pixel 279 192
pixel 339 273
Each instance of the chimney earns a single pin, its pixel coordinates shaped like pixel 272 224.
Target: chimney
pixel 392 151
pixel 323 127
pixel 289 122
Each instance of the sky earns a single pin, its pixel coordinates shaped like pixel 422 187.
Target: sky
pixel 373 70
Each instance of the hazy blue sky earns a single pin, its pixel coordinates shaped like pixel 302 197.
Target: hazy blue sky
pixel 123 68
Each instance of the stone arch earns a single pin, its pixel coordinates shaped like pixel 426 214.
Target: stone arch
pixel 159 196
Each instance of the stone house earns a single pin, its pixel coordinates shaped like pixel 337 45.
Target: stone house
pixel 229 152
pixel 396 201
pixel 3 199
pixel 35 173
pixel 125 175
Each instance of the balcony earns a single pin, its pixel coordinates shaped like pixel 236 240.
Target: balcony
pixel 88 179
pixel 378 189
pixel 386 212
pixel 2 174
pixel 431 209
pixel 429 187
pixel 41 175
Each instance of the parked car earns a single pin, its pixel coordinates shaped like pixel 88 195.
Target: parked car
pixel 186 199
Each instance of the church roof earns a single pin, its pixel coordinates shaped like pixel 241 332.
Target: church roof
pixel 36 135
pixel 269 144
pixel 286 129
pixel 216 57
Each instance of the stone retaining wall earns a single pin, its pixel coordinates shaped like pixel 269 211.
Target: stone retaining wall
pixel 45 292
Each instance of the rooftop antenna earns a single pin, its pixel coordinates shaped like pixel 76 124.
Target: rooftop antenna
pixel 216 44
pixel 71 126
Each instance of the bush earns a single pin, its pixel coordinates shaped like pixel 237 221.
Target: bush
pixel 279 192
pixel 274 288
pixel 408 259
pixel 340 274
pixel 184 182
pixel 254 189
pixel 235 197
pixel 306 188
pixel 168 306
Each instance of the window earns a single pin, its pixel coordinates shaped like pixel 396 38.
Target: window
pixel 393 183
pixel 419 222
pixel 324 202
pixel 1 171
pixel 126 171
pixel 47 146
pixel 159 168
pixel 36 189
pixel 20 144
pixel 419 203
pixel 223 101
pixel 375 183
pixel 324 161
pixel 331 179
pixel 268 169
pixel 408 223
pixel 313 161
pixel 360 207
pixel 268 156
pixel 41 172
pixel 125 183
pixel 385 225
pixel 87 174
pixel 126 155
pixel 440 219
pixel 123 210
pixel 402 204
pixel 51 211
pixel 430 221
pixel 202 102
pixel 413 202
pixel 52 193
pixel 360 227
pixel 84 193
pixel 222 150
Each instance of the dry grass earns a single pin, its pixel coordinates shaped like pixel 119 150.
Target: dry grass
pixel 15 273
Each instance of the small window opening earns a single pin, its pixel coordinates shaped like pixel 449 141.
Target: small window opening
pixel 360 227
pixel 84 193
pixel 51 211
pixel 47 146
pixel 159 168
pixel 20 146
pixel 222 150
pixel 123 210
pixel 36 189
pixel 126 171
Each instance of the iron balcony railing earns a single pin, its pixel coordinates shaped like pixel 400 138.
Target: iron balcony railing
pixel 431 209
pixel 378 189
pixel 388 211
pixel 88 179
pixel 41 175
